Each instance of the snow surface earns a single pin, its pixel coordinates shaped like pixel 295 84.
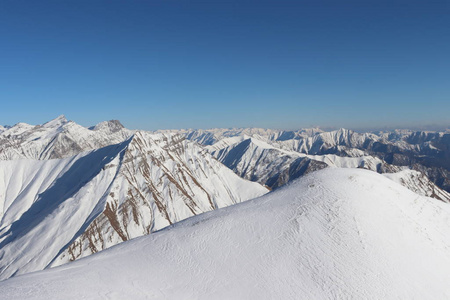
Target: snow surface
pixel 46 203
pixel 335 233
pixel 55 211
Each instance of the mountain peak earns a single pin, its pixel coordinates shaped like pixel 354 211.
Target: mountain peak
pixel 55 123
pixel 110 126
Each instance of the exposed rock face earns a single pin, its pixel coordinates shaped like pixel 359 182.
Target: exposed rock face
pixel 58 210
pixel 162 179
pixel 257 161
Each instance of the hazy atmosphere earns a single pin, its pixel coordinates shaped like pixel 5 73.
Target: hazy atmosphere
pixel 204 64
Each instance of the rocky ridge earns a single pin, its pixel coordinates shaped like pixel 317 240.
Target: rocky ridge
pixel 57 210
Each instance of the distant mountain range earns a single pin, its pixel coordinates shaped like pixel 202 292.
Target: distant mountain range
pixel 300 151
pixel 67 191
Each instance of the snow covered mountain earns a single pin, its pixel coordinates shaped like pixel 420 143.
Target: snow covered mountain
pixel 262 162
pixel 212 136
pixel 427 152
pixel 259 161
pixel 58 138
pixel 317 141
pixel 55 211
pixel 67 191
pixel 333 234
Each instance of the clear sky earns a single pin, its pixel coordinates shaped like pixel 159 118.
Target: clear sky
pixel 158 64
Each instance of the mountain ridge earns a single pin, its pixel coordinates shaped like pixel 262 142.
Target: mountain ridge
pixel 62 209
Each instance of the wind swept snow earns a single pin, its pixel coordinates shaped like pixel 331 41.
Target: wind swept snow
pixel 335 233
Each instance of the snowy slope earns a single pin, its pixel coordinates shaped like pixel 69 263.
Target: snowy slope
pixel 258 161
pixel 46 203
pixel 419 183
pixel 54 211
pixel 163 179
pixel 333 234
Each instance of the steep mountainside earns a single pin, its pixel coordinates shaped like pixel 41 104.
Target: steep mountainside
pixel 257 161
pixel 333 234
pixel 54 211
pixel 162 179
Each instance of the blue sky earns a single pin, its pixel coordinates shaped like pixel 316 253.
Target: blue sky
pixel 199 64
